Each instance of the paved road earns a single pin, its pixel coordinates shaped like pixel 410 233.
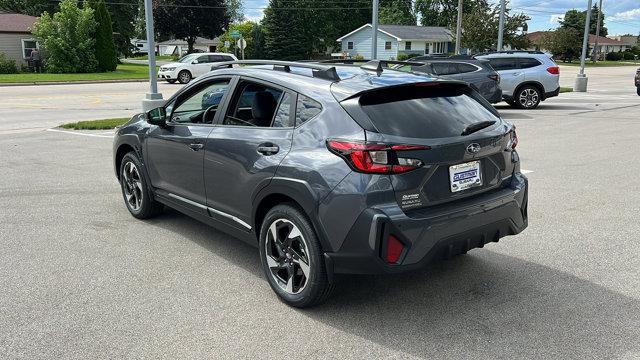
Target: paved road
pixel 80 278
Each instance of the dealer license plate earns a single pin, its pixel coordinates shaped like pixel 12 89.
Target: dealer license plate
pixel 465 176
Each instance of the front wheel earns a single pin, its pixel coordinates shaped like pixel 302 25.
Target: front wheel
pixel 292 258
pixel 528 97
pixel 135 189
pixel 638 90
pixel 184 77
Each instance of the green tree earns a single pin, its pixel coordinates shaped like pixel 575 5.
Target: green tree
pixel 441 12
pixel 248 29
pixel 564 43
pixel 123 21
pixel 480 27
pixel 188 19
pixel 397 12
pixel 28 7
pixel 575 19
pixel 67 39
pixel 290 42
pixel 105 47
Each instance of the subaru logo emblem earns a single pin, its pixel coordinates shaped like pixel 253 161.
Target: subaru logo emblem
pixel 473 148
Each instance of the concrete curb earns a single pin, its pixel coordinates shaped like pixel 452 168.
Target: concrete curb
pixel 73 82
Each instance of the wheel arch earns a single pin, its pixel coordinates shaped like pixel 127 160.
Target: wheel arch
pixel 284 190
pixel 533 83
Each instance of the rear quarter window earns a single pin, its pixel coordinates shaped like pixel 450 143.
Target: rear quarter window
pixel 526 63
pixel 306 109
pixel 425 111
pixel 503 63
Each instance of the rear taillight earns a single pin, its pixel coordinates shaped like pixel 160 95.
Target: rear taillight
pixel 513 139
pixel 495 77
pixel 376 158
pixel 554 70
pixel 394 250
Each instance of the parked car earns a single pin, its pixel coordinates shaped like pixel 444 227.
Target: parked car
pixel 637 81
pixel 329 169
pixel 526 78
pixel 478 73
pixel 191 66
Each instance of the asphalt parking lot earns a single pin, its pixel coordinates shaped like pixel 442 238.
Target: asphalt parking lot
pixel 80 278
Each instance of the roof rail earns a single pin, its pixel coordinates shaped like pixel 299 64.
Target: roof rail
pixel 379 65
pixel 318 71
pixel 510 52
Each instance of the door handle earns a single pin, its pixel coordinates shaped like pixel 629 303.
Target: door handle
pixel 196 146
pixel 268 149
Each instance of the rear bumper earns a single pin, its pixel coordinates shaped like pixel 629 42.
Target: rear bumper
pixel 553 93
pixel 435 233
pixel 495 96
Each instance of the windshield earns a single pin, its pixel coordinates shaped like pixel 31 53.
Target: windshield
pixel 188 58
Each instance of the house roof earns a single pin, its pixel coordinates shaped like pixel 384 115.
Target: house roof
pixel 16 23
pixel 406 32
pixel 199 41
pixel 602 40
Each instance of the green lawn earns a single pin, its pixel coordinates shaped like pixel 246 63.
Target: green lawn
pixel 602 63
pixel 159 57
pixel 123 72
pixel 565 89
pixel 103 124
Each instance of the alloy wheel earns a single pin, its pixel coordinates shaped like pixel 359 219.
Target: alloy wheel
pixel 528 97
pixel 184 77
pixel 287 256
pixel 132 186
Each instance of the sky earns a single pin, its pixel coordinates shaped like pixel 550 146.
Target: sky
pixel 621 16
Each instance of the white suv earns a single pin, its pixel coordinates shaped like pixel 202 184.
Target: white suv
pixel 526 77
pixel 191 66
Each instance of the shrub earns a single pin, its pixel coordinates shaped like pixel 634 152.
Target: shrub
pixel 7 66
pixel 106 54
pixel 404 57
pixel 614 56
pixel 628 55
pixel 67 39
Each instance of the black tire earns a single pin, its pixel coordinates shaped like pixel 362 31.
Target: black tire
pixel 171 81
pixel 317 287
pixel 184 77
pixel 638 90
pixel 511 103
pixel 527 97
pixel 146 206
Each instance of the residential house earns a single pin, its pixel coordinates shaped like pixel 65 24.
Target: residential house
pixel 16 41
pixel 395 40
pixel 605 44
pixel 628 39
pixel 180 47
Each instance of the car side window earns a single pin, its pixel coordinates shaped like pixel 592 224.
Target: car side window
pixel 203 59
pixel 200 107
pixel 466 68
pixel 442 68
pixel 526 63
pixel 306 109
pixel 253 104
pixel 283 116
pixel 503 63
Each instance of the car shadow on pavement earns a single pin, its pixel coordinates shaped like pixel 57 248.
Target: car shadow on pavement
pixel 544 107
pixel 480 305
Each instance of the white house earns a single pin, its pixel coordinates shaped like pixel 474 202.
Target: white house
pixel 16 41
pixel 394 40
pixel 180 47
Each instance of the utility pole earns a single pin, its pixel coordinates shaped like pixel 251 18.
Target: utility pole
pixel 595 48
pixel 374 31
pixel 501 25
pixel 153 99
pixel 581 79
pixel 459 28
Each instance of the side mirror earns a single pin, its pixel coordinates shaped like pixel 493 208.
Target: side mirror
pixel 157 116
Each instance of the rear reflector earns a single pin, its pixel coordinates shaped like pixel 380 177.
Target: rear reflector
pixel 394 250
pixel 554 70
pixel 495 77
pixel 376 158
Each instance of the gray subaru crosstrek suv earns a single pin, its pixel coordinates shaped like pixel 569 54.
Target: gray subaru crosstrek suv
pixel 328 169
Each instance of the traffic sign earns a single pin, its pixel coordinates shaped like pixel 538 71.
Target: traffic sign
pixel 242 43
pixel 235 34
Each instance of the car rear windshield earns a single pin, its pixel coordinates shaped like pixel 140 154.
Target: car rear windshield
pixel 425 110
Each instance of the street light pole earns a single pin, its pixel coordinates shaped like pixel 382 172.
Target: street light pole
pixel 595 48
pixel 581 79
pixel 153 99
pixel 459 28
pixel 501 25
pixel 374 31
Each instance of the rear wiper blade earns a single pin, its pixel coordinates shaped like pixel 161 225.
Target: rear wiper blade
pixel 477 127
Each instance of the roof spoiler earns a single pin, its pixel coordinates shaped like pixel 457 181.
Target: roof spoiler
pixel 318 71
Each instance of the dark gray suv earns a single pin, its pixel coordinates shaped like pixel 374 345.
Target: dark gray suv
pixel 328 169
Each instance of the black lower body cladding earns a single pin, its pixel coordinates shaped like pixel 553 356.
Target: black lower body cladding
pixel 432 233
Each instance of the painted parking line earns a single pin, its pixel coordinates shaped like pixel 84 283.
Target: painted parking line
pixel 81 133
pixel 524 171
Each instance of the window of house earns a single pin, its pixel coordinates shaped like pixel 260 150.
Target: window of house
pixel 28 45
pixel 407 45
pixel 439 48
pixel 350 45
pixel 387 45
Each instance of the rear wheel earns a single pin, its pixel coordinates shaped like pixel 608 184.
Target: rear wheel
pixel 292 258
pixel 135 189
pixel 528 97
pixel 171 81
pixel 184 77
pixel 638 90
